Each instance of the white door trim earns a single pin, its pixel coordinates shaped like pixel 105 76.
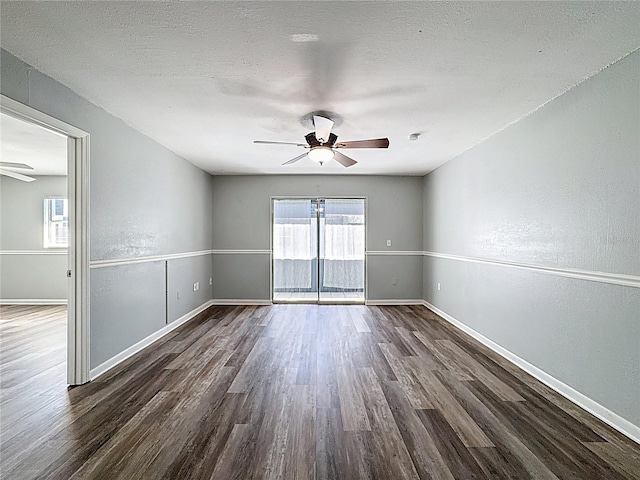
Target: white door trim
pixel 78 252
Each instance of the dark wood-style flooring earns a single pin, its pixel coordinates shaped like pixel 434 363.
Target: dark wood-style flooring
pixel 293 392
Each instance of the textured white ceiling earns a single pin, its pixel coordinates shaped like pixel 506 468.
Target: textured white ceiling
pixel 22 142
pixel 205 79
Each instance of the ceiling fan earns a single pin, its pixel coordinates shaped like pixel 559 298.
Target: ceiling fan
pixel 6 168
pixel 323 144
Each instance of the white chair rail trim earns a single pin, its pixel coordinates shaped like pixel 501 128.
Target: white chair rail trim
pixel 590 275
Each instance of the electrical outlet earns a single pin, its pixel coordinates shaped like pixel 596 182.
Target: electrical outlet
pixel 178 295
pixel 210 281
pixel 388 243
pixel 195 287
pixel 438 286
pixel 394 281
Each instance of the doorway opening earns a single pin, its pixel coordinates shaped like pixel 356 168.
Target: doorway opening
pixel 33 253
pixel 57 215
pixel 318 247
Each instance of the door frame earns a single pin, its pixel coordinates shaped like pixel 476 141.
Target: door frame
pixel 77 252
pixel 318 198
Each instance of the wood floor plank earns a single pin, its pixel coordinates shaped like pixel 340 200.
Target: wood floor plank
pixel 476 370
pixel 274 443
pixel 560 454
pixel 510 457
pixel 359 322
pixel 538 400
pixel 390 450
pixel 460 371
pixel 410 384
pixel 354 415
pixel 300 454
pixel 625 459
pixel 236 459
pixel 457 456
pixel 421 446
pixel 202 441
pixel 254 367
pixel 468 431
pixel 306 370
pixel 118 450
pixel 292 392
pixel 424 356
pixel 370 356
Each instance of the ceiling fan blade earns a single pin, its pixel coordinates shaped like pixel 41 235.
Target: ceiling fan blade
pixel 23 166
pixel 373 143
pixel 323 128
pixel 293 160
pixel 343 159
pixel 267 142
pixel 17 176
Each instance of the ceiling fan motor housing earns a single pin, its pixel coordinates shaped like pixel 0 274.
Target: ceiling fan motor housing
pixel 313 141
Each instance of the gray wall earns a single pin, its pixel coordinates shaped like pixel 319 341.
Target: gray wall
pixel 144 200
pixel 560 188
pixel 39 275
pixel 182 273
pixel 241 216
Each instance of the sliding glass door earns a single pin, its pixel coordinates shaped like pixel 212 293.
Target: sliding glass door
pixel 342 250
pixel 295 250
pixel 318 250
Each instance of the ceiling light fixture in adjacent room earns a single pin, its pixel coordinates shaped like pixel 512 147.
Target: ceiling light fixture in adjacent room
pixel 321 154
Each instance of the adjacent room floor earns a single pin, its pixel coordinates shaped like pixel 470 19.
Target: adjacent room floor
pixel 296 392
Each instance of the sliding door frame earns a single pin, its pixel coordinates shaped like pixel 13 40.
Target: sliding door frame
pixel 317 199
pixel 78 251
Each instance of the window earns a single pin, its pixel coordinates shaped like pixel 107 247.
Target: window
pixel 56 223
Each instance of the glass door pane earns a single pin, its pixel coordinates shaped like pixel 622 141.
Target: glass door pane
pixel 342 247
pixel 295 250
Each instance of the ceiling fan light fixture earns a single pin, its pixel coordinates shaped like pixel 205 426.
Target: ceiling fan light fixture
pixel 321 154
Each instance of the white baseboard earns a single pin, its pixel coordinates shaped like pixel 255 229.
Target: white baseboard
pixel 145 342
pixel 392 301
pixel 33 301
pixel 607 416
pixel 240 301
